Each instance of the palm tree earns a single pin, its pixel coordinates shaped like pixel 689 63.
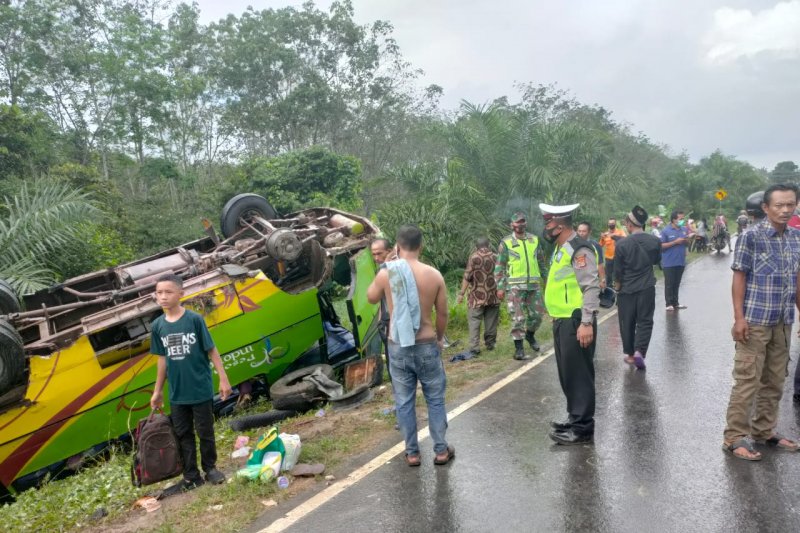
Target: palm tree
pixel 38 221
pixel 516 157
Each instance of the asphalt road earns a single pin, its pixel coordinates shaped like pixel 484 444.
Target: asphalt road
pixel 656 465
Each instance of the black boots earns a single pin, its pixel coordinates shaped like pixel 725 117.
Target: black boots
pixel 531 338
pixel 519 351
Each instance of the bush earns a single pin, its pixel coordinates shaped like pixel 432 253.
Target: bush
pixel 446 244
pixel 102 247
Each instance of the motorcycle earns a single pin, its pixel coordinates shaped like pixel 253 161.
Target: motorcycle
pixel 718 242
pixel 720 239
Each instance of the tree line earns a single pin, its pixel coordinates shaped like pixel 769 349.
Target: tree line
pixel 150 120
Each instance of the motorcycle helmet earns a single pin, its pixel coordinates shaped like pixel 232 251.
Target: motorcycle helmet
pixel 608 297
pixel 753 205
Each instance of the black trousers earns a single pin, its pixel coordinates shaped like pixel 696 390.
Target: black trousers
pixel 672 284
pixel 575 372
pixel 609 272
pixel 186 419
pixel 635 312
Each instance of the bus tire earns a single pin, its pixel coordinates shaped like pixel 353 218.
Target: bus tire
pixel 12 357
pixel 292 393
pixel 242 206
pixel 9 303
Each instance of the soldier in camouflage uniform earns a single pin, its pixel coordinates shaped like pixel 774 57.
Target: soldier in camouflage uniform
pixel 519 269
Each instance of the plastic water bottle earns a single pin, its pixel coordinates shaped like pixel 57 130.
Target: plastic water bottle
pixel 283 482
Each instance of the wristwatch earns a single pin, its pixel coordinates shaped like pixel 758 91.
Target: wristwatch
pixel 586 323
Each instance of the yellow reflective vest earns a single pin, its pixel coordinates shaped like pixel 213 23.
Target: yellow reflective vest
pixel 523 268
pixel 562 295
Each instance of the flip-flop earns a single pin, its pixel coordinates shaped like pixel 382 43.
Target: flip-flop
pixel 638 361
pixel 775 440
pixel 451 453
pixel 307 470
pixel 745 443
pixel 413 460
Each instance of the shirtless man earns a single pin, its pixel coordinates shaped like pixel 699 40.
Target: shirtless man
pixel 415 342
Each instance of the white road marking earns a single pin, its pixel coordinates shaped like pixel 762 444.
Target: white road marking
pixel 316 501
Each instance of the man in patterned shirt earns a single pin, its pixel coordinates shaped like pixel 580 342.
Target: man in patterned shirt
pixel 482 300
pixel 518 271
pixel 766 267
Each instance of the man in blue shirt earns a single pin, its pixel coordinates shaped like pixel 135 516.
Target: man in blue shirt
pixel 674 239
pixel 766 268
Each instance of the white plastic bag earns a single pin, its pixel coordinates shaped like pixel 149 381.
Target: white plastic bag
pixel 270 466
pixel 293 446
pixel 242 452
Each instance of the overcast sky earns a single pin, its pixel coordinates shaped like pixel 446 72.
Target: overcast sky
pixel 696 75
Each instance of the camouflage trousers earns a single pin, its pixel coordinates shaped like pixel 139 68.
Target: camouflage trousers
pixel 525 309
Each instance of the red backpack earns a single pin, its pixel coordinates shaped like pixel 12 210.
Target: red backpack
pixel 157 453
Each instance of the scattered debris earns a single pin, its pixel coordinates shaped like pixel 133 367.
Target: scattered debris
pixel 241 441
pixel 352 399
pixel 241 452
pixel 329 477
pixel 307 470
pixel 217 507
pixel 269 503
pixel 463 356
pixel 292 447
pixel 283 482
pixel 264 463
pixel 386 411
pixel 327 386
pixel 320 413
pixel 447 344
pixel 148 503
pixel 367 371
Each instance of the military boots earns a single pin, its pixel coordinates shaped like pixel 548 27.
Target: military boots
pixel 531 338
pixel 519 351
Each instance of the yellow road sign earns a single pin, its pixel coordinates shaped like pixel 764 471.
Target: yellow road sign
pixel 721 194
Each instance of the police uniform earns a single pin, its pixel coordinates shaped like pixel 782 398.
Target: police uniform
pixel 572 298
pixel 518 271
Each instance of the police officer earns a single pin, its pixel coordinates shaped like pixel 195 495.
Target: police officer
pixel 518 272
pixel 572 297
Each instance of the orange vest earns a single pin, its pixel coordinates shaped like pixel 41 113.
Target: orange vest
pixel 609 244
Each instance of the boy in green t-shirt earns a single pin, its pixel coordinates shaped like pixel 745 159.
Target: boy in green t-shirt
pixel 181 340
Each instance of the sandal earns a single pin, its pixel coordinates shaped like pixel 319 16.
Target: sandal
pixel 776 438
pixel 446 456
pixel 747 444
pixel 413 460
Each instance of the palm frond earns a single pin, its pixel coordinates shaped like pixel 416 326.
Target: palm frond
pixel 26 276
pixel 39 220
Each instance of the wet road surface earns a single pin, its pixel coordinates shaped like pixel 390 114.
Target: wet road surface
pixel 656 464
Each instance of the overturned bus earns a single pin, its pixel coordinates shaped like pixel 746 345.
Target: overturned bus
pixel 75 367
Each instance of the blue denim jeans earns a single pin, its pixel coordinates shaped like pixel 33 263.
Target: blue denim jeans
pixel 421 362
